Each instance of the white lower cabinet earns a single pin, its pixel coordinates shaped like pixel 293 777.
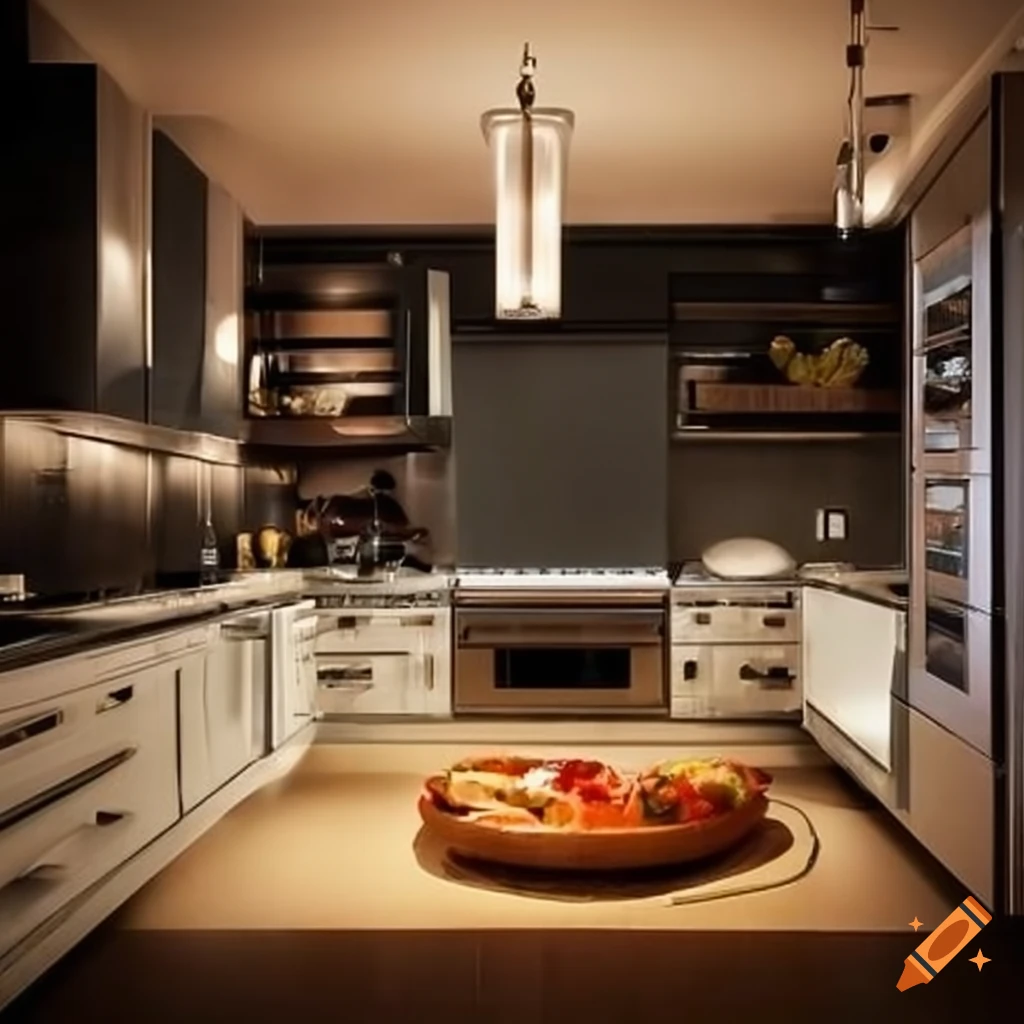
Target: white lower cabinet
pixel 853 656
pixel 385 662
pixel 87 778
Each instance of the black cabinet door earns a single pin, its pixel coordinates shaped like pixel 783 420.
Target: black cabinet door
pixel 50 220
pixel 179 287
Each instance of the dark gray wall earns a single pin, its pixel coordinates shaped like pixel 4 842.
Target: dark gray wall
pixel 560 451
pixel 773 490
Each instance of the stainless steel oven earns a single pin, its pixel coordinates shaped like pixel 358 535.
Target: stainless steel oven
pixel 951 593
pixel 957 539
pixel 952 359
pixel 525 658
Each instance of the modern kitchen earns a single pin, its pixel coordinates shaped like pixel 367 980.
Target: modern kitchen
pixel 492 496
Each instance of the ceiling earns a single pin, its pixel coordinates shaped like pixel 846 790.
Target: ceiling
pixel 367 112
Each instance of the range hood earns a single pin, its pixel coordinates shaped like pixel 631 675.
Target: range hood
pixel 348 356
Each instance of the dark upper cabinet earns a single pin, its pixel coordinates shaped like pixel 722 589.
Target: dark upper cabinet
pixel 77 224
pixel 179 286
pixel 959 194
pixel 197 297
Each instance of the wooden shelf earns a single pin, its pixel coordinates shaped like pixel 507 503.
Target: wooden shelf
pixel 697 435
pixel 716 398
pixel 790 312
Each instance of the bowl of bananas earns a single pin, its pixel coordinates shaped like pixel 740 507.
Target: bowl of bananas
pixel 838 366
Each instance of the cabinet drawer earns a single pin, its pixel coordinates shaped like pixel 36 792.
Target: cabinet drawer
pixel 735 624
pixel 399 683
pixel 100 793
pixel 735 680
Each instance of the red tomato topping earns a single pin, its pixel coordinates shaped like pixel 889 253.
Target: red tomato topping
pixel 571 773
pixel 594 792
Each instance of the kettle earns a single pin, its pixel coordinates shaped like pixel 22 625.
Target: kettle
pixel 376 552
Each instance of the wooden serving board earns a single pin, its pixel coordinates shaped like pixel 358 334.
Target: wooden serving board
pixel 595 850
pixel 712 396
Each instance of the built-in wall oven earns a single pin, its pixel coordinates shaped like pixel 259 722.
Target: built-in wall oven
pixel 951 557
pixel 575 652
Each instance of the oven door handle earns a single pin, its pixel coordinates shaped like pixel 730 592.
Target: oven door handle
pixel 778 677
pixel 559 636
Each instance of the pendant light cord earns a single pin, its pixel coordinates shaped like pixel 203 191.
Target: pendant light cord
pixel 681 899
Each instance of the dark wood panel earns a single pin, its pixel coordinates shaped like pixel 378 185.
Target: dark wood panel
pixel 179 286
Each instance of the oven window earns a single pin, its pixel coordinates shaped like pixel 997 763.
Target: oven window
pixel 945 527
pixel 946 645
pixel 562 668
pixel 947 370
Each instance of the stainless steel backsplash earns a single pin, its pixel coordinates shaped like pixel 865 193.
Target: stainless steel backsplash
pixel 81 515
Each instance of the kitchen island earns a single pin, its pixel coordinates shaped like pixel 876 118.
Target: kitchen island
pixel 317 893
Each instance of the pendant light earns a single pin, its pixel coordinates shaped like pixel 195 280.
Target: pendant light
pixel 529 147
pixel 849 186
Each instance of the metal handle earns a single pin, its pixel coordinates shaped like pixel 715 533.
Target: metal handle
pixel 774 621
pixel 238 632
pixel 776 677
pixel 428 664
pixel 690 670
pixel 115 699
pixel 28 728
pixel 702 619
pixel 67 787
pixel 557 636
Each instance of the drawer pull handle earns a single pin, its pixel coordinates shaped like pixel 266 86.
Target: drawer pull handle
pixel 774 621
pixel 690 669
pixel 54 794
pixel 702 618
pixel 778 677
pixel 106 818
pixel 115 699
pixel 28 728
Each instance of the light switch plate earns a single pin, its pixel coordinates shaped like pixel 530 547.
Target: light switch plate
pixel 835 524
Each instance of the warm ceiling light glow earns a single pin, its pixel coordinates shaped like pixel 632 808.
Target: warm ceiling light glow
pixel 530 149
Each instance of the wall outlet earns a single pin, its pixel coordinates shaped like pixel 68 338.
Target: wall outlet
pixel 831 524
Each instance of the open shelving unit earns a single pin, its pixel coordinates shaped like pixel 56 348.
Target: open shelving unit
pixel 725 387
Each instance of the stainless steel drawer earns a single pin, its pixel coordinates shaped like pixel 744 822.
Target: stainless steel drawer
pixel 736 680
pixel 734 623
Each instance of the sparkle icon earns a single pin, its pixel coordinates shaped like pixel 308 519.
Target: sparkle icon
pixel 915 924
pixel 980 960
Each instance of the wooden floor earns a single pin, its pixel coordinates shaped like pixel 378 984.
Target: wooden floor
pixel 136 977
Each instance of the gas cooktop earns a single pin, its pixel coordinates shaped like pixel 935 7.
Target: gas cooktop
pixel 646 577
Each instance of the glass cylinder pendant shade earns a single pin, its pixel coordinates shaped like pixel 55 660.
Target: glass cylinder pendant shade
pixel 530 154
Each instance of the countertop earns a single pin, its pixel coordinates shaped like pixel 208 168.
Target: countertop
pixel 874 585
pixel 31 636
pixel 34 635
pixel 287 859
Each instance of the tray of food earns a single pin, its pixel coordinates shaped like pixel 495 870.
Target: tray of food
pixel 589 816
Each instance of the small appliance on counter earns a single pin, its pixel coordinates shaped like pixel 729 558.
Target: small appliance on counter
pixel 748 558
pixel 368 528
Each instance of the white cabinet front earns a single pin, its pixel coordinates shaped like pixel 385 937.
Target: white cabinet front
pixel 86 780
pixel 735 680
pixel 852 652
pixel 384 662
pixel 397 683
